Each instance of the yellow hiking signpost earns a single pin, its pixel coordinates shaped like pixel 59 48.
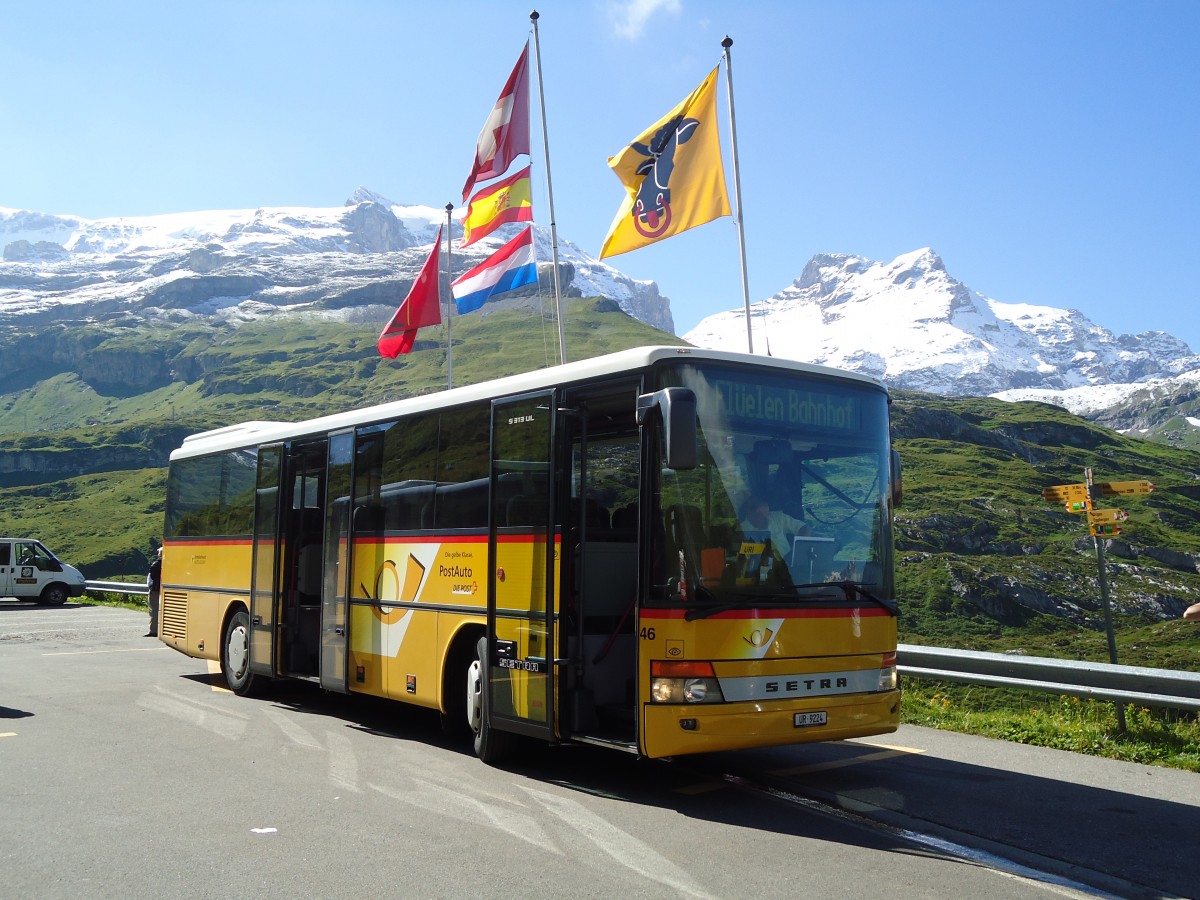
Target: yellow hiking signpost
pixel 1065 493
pixel 1116 488
pixel 1106 522
pixel 1102 523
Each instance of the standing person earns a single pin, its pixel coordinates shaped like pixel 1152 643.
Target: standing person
pixel 154 585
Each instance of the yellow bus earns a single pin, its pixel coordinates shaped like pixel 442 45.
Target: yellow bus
pixel 664 550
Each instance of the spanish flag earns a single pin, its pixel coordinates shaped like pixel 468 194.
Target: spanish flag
pixel 672 174
pixel 503 202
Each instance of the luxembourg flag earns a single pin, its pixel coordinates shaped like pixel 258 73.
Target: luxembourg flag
pixel 510 267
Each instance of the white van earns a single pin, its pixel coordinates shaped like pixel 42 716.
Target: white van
pixel 28 571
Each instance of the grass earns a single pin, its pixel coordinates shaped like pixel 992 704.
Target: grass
pixel 120 601
pixel 1168 738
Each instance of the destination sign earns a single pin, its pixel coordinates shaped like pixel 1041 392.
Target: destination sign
pixel 778 403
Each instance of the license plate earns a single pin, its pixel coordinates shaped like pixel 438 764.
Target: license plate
pixel 805 719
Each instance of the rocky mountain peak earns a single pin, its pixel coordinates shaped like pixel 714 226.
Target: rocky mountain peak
pixel 366 195
pixel 354 261
pixel 911 323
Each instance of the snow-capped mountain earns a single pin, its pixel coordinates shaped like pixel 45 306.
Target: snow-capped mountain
pixel 907 321
pixel 910 323
pixel 344 262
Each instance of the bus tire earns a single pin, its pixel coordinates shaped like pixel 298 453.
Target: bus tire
pixel 53 595
pixel 235 653
pixel 491 746
pixel 454 719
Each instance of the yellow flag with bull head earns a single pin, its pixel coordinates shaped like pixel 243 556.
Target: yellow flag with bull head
pixel 672 174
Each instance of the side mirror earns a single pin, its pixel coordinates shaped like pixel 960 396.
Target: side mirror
pixel 677 407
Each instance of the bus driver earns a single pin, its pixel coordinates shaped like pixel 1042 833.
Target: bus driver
pixel 757 516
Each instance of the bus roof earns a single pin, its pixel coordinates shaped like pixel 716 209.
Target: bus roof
pixel 254 433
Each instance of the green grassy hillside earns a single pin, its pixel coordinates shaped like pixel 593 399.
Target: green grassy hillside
pixel 983 561
pixel 81 461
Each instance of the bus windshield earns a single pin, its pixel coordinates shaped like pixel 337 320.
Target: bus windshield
pixel 789 502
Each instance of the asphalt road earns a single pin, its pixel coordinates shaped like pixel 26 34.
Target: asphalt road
pixel 126 770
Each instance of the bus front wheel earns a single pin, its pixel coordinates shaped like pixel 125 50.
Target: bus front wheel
pixel 235 653
pixel 490 745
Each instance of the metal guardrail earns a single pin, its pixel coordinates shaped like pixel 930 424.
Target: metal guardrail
pixel 1166 688
pixel 1101 681
pixel 118 587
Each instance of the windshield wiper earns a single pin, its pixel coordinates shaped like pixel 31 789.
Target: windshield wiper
pixel 855 588
pixel 703 612
pixel 851 589
pixel 749 600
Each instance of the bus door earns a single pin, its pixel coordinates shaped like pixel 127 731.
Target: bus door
pixel 264 584
pixel 523 551
pixel 303 553
pixel 335 587
pixel 600 563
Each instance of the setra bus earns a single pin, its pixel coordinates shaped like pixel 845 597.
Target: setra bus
pixel 561 554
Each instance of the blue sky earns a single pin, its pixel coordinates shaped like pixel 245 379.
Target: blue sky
pixel 1049 150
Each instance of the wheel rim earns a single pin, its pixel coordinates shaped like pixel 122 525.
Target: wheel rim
pixel 237 650
pixel 474 697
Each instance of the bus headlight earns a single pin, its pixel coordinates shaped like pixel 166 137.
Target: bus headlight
pixel 684 682
pixel 695 690
pixel 889 680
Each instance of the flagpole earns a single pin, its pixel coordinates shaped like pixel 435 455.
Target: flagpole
pixel 449 303
pixel 562 334
pixel 737 190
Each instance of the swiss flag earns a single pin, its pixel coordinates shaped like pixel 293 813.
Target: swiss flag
pixel 505 134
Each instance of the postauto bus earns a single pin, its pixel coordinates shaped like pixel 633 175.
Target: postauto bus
pixel 561 555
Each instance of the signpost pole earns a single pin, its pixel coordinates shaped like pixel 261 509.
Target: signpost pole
pixel 1108 622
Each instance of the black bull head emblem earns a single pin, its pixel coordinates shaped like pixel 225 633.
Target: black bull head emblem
pixel 652 205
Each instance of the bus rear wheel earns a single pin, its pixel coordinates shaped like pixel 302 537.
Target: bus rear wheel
pixel 491 745
pixel 235 653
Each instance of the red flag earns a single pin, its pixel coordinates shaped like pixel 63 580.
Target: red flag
pixel 505 134
pixel 422 306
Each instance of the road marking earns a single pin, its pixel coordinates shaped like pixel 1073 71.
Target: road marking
pixel 23 633
pixel 629 851
pixel 216 678
pixel 8 734
pixel 997 865
pixel 343 764
pixel 228 726
pixel 94 652
pixel 503 813
pixel 863 743
pixel 842 763
pixel 293 732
